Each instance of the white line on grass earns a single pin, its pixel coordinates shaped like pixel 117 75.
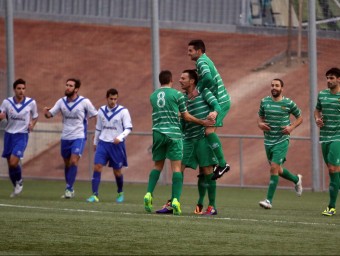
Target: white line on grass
pixel 202 217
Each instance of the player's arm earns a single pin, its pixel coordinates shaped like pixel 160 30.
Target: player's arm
pixel 211 100
pixel 261 123
pixel 318 118
pixel 32 123
pixel 189 118
pixel 288 129
pixel 97 132
pixel 126 123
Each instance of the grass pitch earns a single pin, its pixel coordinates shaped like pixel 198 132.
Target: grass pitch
pixel 39 222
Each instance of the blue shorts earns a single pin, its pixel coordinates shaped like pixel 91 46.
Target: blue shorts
pixel 15 144
pixel 75 147
pixel 114 154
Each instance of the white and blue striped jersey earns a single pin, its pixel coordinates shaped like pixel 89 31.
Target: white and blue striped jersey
pixel 112 122
pixel 19 114
pixel 75 114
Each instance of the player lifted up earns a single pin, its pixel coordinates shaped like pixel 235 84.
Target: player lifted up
pixel 210 78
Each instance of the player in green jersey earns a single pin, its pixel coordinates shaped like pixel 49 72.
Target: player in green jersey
pixel 166 104
pixel 274 121
pixel 327 117
pixel 196 150
pixel 210 79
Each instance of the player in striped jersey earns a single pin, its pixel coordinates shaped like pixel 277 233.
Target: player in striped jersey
pixel 327 117
pixel 113 126
pixel 75 110
pixel 210 78
pixel 274 121
pixel 196 150
pixel 166 104
pixel 22 115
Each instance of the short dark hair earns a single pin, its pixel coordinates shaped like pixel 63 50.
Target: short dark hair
pixel 165 77
pixel 19 81
pixel 111 91
pixel 192 74
pixel 334 72
pixel 198 44
pixel 76 81
pixel 278 79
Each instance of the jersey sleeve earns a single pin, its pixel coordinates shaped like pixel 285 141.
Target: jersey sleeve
pixel 56 108
pixel 34 110
pixel 91 110
pixel 211 100
pixel 318 103
pixel 181 103
pixel 206 78
pixel 261 109
pixel 127 122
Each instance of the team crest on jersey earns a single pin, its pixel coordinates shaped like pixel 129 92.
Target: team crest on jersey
pixel 283 107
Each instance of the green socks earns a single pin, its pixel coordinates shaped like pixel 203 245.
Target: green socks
pixel 333 188
pixel 274 180
pixel 215 144
pixel 211 189
pixel 177 185
pixel 153 178
pixel 289 176
pixel 202 189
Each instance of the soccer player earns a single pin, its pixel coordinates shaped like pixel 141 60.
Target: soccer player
pixel 113 126
pixel 196 150
pixel 210 78
pixel 274 121
pixel 75 110
pixel 166 104
pixel 327 117
pixel 22 115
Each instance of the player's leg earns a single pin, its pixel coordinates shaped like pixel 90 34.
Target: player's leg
pixel 175 155
pixel 95 182
pixel 207 161
pixel 202 190
pixel 284 173
pixel 276 158
pixel 14 151
pixel 211 188
pixel 15 174
pixel 331 152
pixel 71 152
pixel 216 145
pixel 120 182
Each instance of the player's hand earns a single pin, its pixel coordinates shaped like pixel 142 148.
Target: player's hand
pixel 212 115
pixel 319 122
pixel 116 141
pixel 287 129
pixel 46 113
pixel 264 126
pixel 2 115
pixel 209 122
pixel 30 127
pixel 94 148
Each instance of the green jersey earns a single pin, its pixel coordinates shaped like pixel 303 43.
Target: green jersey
pixel 208 77
pixel 277 115
pixel 166 104
pixel 329 105
pixel 199 107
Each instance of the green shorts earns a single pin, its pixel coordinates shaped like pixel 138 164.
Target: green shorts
pixel 198 153
pixel 224 111
pixel 331 152
pixel 164 147
pixel 277 153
